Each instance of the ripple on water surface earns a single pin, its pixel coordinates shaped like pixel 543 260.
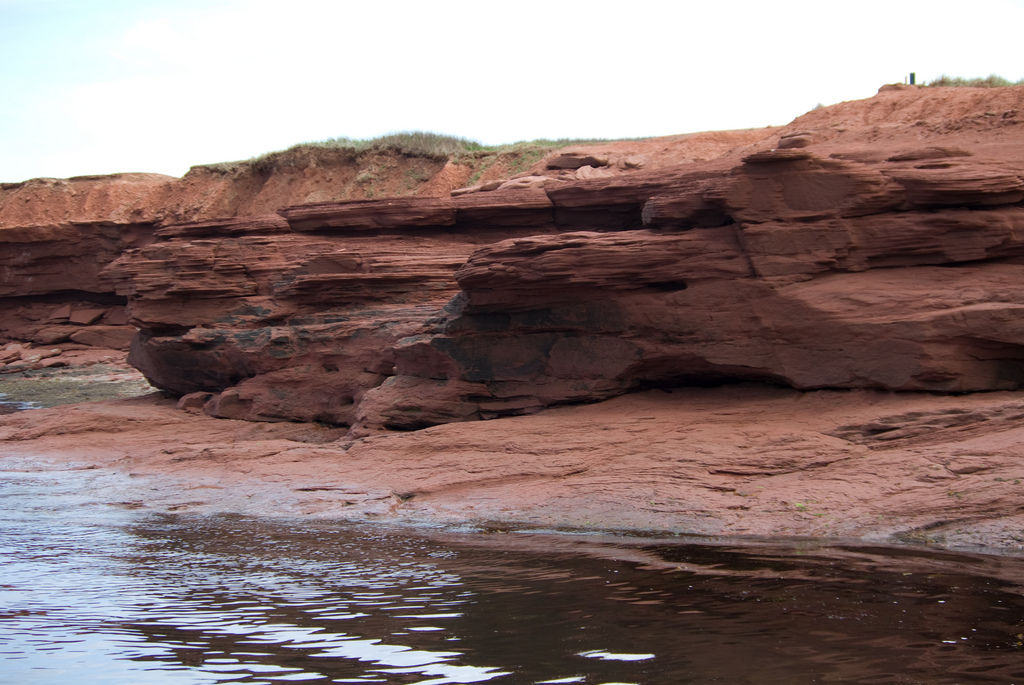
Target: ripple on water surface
pixel 95 594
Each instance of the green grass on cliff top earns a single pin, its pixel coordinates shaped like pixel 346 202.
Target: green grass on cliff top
pixel 990 81
pixel 422 144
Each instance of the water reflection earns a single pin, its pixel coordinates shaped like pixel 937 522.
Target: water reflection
pixel 9 406
pixel 95 594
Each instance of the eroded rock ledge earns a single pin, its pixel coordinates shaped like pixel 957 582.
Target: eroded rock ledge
pixel 831 256
pixel 793 266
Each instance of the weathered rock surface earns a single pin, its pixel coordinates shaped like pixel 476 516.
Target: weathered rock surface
pixel 866 248
pixel 737 460
pixel 371 214
pixel 826 274
pixel 119 199
pixel 303 322
pixel 575 160
pixel 56 237
pixel 810 264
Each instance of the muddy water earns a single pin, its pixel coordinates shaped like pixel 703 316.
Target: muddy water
pixel 9 406
pixel 91 593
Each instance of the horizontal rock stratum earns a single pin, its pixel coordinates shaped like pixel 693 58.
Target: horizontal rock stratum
pixel 886 255
pixel 849 278
pixel 893 263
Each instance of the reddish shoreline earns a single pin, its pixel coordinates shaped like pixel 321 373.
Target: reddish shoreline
pixel 480 352
pixel 745 460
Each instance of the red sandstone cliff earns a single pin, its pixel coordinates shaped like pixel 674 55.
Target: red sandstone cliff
pixel 57 235
pixel 814 256
pixel 875 245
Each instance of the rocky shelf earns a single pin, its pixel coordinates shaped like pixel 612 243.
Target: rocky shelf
pixel 873 246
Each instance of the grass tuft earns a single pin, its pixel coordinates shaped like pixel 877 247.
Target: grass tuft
pixel 408 143
pixel 421 144
pixel 990 81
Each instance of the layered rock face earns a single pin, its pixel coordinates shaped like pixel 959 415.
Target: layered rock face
pixel 299 314
pixel 56 237
pixel 829 255
pixel 823 273
pixel 807 264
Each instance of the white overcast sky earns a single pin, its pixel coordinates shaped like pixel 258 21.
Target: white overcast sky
pixel 104 86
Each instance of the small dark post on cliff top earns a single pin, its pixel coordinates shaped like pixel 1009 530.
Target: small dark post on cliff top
pixel 913 77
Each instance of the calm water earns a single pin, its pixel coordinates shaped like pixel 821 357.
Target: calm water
pixel 95 594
